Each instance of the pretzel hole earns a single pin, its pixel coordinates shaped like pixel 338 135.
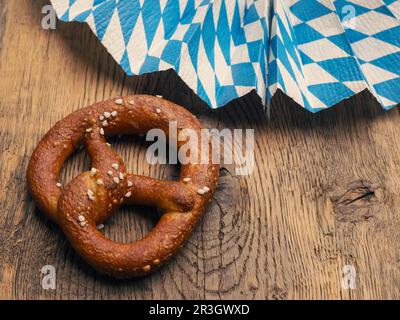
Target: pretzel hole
pixel 131 223
pixel 132 149
pixel 77 163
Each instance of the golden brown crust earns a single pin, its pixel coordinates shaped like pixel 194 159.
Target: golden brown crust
pixel 92 197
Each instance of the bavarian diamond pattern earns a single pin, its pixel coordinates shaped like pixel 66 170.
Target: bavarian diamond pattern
pixel 318 52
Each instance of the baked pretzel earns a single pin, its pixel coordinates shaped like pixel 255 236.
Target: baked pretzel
pixel 93 196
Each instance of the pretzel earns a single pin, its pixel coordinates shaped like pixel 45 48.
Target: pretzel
pixel 93 196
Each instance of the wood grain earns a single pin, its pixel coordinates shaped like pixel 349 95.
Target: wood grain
pixel 324 192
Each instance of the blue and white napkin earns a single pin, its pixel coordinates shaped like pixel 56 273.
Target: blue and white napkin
pixel 318 52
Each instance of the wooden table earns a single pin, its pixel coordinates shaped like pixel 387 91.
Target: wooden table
pixel 324 193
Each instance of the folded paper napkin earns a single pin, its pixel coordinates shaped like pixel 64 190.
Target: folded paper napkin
pixel 318 52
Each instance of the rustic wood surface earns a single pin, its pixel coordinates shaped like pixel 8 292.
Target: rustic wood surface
pixel 324 192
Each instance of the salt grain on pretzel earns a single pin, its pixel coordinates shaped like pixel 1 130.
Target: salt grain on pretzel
pixel 147 268
pixel 119 101
pixel 183 205
pixel 116 180
pixel 90 194
pixel 115 166
pixel 203 190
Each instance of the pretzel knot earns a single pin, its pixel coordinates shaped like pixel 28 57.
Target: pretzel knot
pixel 93 196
